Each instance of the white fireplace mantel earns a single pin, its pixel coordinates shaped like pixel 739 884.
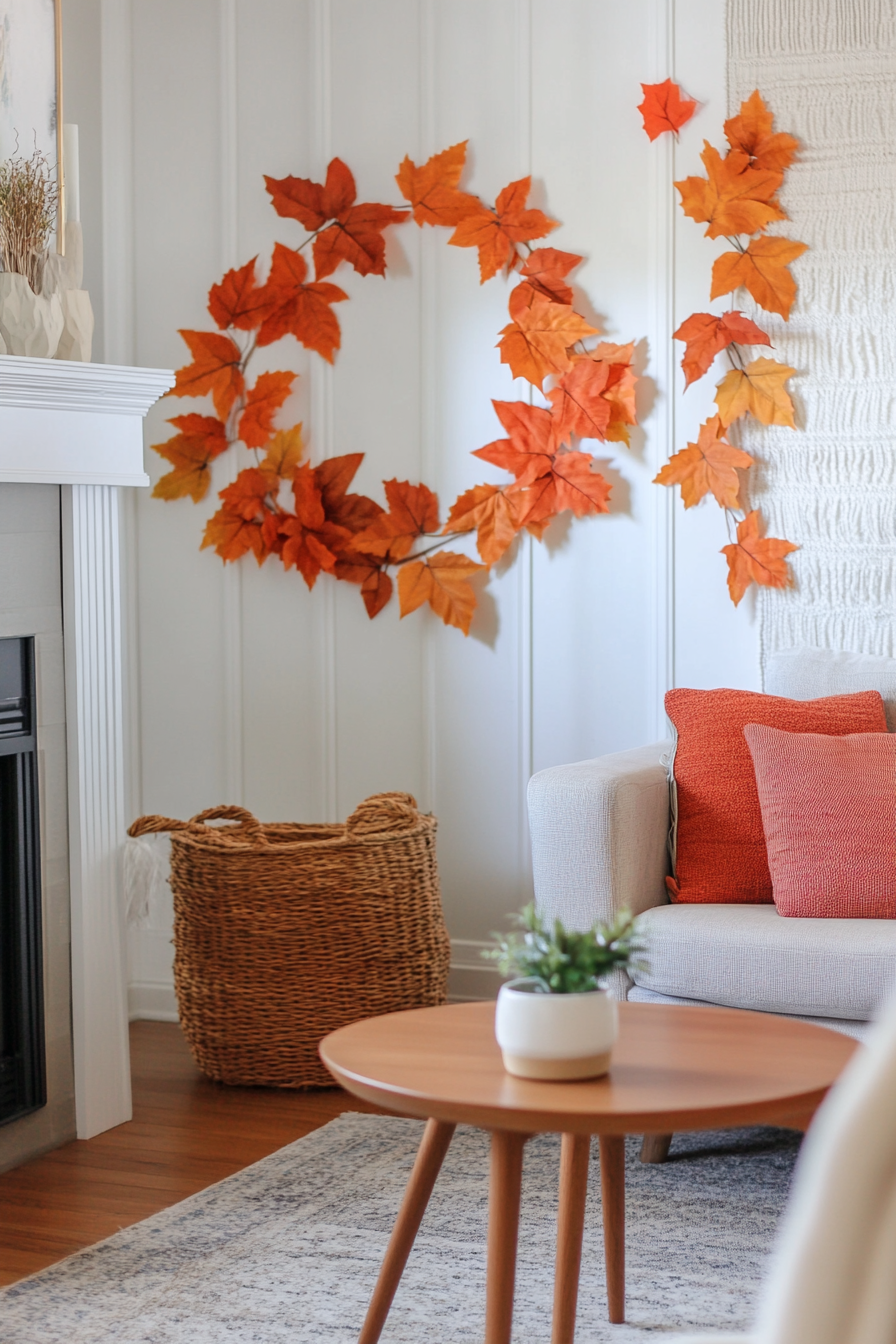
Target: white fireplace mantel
pixel 80 426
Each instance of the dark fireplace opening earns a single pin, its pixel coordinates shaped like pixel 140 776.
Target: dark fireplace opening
pixel 22 1065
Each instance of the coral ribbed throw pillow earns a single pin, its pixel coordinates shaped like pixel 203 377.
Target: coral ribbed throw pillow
pixel 829 814
pixel 720 844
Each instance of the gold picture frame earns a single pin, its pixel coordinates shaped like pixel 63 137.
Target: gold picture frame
pixel 31 87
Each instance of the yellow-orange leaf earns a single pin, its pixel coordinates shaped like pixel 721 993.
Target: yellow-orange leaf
pixel 536 343
pixel 709 465
pixel 202 438
pixel 492 512
pixel 758 389
pixel 620 389
pixel 432 190
pixel 733 197
pixel 440 580
pixel 751 131
pixel 755 559
pixel 762 269
pixel 284 453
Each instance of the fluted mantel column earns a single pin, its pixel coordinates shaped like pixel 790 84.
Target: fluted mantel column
pixel 80 425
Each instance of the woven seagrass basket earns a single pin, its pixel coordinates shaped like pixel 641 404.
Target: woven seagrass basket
pixel 284 932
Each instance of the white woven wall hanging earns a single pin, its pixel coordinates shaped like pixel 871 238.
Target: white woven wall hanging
pixel 827 69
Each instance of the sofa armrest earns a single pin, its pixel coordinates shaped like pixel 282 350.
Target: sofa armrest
pixel 599 830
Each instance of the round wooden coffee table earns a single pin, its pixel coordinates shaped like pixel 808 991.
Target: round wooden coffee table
pixel 673 1069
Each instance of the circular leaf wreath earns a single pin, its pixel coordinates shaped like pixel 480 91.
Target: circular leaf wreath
pixel 354 538
pixel 589 388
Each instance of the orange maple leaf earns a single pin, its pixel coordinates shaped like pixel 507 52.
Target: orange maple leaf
pixel 536 342
pixel 440 580
pixel 705 335
pixel 707 465
pixel 578 486
pixel 733 197
pixel 496 232
pixel 311 542
pixel 356 234
pixel 237 527
pixel 297 309
pixel 215 368
pixel 202 438
pixel 492 513
pixel 578 402
pixel 755 559
pixel 413 512
pixel 620 389
pixel 664 108
pixel 545 269
pixel 528 453
pixel 759 389
pixel 432 190
pixel 751 131
pixel 762 269
pixel 262 403
pixel 284 454
pixel 237 301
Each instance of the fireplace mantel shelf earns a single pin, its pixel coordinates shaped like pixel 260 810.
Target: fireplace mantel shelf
pixel 75 424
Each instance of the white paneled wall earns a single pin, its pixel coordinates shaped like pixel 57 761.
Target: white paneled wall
pixel 245 687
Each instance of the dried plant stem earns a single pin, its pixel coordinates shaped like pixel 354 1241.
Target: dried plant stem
pixel 27 216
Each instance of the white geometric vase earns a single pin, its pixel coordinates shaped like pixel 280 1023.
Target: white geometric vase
pixel 30 324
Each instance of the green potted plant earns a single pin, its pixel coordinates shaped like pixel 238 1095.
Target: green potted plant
pixel 553 1020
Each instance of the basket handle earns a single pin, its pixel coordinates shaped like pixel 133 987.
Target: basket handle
pixel 383 812
pixel 155 823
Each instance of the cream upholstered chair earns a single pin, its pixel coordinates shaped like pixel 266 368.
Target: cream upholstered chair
pixel 833 1271
pixel 599 830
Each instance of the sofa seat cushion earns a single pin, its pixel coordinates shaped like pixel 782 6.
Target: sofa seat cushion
pixel 857 1030
pixel 749 956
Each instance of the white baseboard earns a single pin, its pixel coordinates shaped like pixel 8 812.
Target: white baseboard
pixel 152 1001
pixel 469 980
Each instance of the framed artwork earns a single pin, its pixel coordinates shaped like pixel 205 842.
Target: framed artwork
pixel 31 85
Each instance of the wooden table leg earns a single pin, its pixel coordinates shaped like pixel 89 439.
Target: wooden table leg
pixel 612 1187
pixel 574 1154
pixel 503 1228
pixel 430 1156
pixel 655 1147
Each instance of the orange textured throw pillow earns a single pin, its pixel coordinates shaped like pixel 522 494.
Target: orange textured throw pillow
pixel 829 816
pixel 720 845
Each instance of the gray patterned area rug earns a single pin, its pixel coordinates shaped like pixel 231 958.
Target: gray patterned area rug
pixel 288 1249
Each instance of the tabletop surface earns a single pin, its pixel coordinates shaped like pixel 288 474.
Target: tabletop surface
pixel 672 1068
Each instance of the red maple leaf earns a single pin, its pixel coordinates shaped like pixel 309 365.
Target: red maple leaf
pixel 356 233
pixel 311 542
pixel 238 301
pixel 664 108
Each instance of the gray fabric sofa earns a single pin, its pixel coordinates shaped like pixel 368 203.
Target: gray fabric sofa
pixel 599 844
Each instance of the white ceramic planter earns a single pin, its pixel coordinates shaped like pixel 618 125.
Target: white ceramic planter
pixel 555 1036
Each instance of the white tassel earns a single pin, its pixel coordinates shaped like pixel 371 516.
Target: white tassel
pixel 143 873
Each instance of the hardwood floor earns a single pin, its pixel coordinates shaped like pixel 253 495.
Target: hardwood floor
pixel 186 1134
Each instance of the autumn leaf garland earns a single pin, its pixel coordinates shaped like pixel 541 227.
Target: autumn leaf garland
pixel 737 199
pixel 327 529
